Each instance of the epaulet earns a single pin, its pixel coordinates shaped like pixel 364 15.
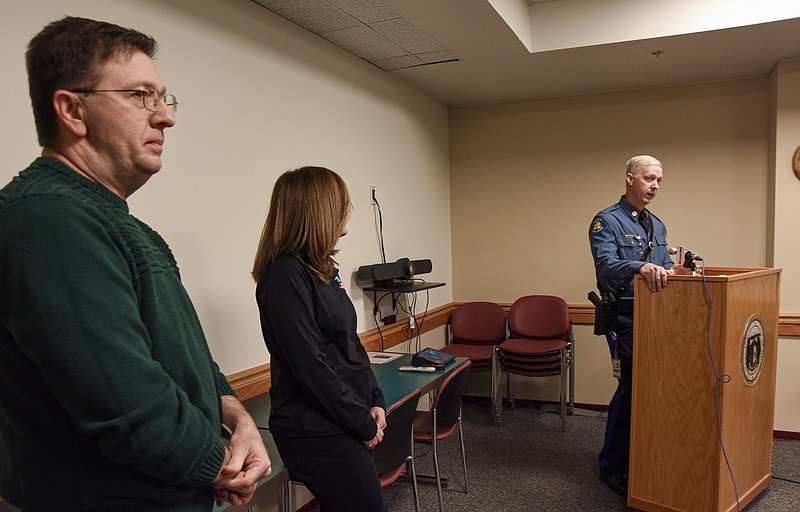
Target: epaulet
pixel 612 208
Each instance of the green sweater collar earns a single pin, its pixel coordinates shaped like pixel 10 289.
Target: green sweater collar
pixel 63 169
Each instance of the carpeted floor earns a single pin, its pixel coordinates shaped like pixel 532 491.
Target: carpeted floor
pixel 528 465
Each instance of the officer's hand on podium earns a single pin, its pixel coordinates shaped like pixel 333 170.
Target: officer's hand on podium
pixel 654 276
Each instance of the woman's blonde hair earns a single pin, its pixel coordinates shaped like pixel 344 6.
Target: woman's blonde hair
pixel 308 211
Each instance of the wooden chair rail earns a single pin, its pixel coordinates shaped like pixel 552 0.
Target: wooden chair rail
pixel 255 381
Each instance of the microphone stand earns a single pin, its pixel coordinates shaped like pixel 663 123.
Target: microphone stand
pixel 689 262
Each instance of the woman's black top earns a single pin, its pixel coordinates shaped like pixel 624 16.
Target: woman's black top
pixel 322 382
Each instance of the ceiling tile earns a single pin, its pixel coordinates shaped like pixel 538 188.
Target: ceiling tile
pixel 407 36
pixel 364 42
pixel 367 11
pixel 406 61
pixel 318 16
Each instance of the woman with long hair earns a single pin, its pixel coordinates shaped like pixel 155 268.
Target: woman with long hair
pixel 327 408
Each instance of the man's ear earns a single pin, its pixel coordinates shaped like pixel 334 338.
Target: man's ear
pixel 70 112
pixel 629 179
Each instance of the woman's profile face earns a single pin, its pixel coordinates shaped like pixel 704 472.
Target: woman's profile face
pixel 345 221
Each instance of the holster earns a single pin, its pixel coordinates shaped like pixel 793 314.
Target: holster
pixel 602 312
pixel 606 310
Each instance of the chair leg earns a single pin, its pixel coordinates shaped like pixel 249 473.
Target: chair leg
pixel 510 386
pixel 437 475
pixel 287 498
pixel 563 390
pixel 413 470
pixel 497 404
pixel 572 379
pixel 463 453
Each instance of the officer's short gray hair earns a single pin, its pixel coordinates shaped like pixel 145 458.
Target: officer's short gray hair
pixel 636 163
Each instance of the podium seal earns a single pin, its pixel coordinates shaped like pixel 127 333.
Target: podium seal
pixel 752 351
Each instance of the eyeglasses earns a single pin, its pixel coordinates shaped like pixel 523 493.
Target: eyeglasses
pixel 151 98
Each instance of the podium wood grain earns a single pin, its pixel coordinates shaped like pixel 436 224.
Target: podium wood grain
pixel 677 460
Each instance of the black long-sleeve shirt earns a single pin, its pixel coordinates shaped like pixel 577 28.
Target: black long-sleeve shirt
pixel 322 383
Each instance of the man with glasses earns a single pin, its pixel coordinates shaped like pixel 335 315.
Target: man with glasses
pixel 109 396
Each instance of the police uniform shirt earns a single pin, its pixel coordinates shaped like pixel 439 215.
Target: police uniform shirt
pixel 619 245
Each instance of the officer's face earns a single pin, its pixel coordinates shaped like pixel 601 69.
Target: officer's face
pixel 643 186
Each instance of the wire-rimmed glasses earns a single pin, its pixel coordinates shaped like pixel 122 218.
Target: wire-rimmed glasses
pixel 151 98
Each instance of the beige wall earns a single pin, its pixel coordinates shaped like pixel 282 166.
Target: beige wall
pixel 258 95
pixel 527 178
pixel 786 90
pixel 786 129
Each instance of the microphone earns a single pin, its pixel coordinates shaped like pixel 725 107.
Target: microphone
pixel 693 256
pixel 690 256
pixel 689 259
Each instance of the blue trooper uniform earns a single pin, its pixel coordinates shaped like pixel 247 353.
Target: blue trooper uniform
pixel 621 245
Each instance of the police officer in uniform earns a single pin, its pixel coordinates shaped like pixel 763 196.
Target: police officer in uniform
pixel 626 239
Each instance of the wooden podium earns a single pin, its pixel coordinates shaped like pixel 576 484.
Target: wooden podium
pixel 677 460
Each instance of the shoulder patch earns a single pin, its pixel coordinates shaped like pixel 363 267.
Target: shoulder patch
pixel 597 225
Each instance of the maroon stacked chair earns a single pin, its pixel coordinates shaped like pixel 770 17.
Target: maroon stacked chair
pixel 476 329
pixel 540 344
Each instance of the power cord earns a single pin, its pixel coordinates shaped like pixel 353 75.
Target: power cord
pixel 719 379
pixel 376 313
pixel 378 218
pixel 415 332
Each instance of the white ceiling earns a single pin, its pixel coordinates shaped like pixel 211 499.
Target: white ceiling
pixel 466 52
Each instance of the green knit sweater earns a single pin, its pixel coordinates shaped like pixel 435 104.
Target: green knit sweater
pixel 109 396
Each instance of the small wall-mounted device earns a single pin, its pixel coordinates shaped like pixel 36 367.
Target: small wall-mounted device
pixel 403 269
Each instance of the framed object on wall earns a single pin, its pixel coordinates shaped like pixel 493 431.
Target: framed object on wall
pixel 796 162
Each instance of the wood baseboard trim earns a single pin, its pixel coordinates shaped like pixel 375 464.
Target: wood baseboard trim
pixel 256 381
pixel 382 338
pixel 251 382
pixel 789 325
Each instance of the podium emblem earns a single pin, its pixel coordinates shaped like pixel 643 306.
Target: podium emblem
pixel 752 351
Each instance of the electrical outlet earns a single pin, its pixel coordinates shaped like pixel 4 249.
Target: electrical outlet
pixel 372 194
